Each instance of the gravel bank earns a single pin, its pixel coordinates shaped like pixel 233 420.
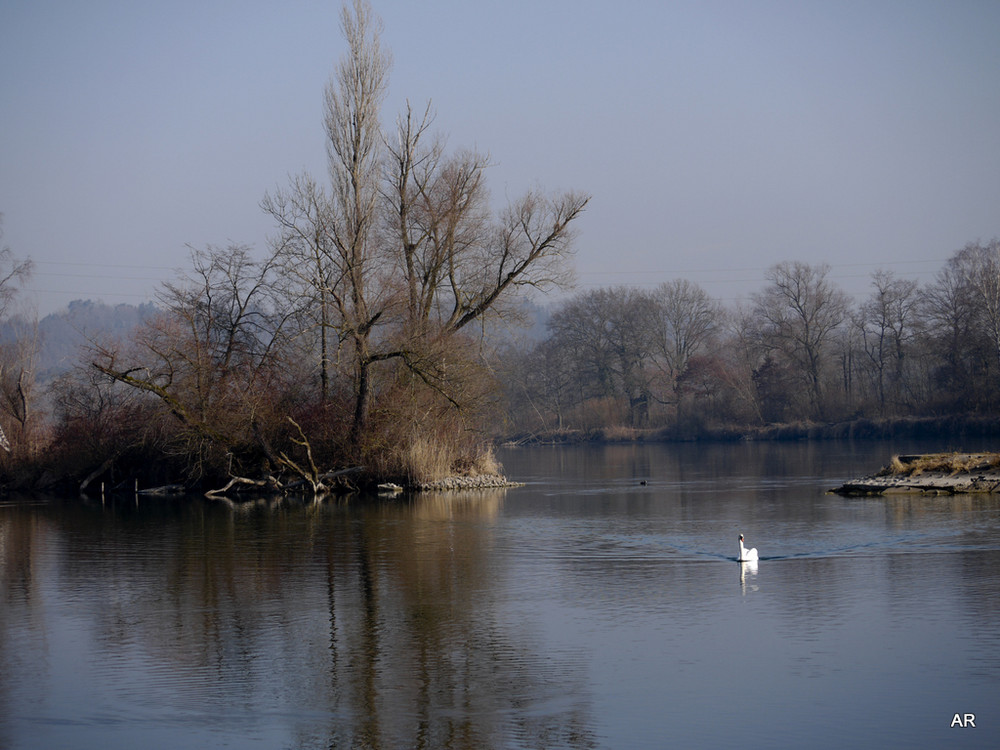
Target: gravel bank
pixel 483 482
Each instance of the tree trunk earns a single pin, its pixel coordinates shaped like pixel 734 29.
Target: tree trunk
pixel 362 395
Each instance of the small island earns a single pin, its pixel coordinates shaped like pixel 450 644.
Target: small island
pixel 932 473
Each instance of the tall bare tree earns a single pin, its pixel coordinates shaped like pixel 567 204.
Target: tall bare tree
pixel 403 252
pixel 360 292
pixel 743 355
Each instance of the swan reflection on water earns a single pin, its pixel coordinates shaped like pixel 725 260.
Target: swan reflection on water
pixel 748 566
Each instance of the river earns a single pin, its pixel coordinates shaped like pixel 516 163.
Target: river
pixel 598 606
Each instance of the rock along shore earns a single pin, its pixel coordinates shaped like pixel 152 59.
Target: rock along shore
pixel 935 473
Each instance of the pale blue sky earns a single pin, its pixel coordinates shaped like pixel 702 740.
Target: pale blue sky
pixel 716 138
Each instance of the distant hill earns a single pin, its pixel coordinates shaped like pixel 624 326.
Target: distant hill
pixel 62 334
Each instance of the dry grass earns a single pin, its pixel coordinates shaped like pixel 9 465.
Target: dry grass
pixel 427 460
pixel 619 433
pixel 941 463
pixel 486 464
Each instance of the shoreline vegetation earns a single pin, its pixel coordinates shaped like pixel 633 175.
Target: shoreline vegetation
pixel 483 474
pixel 486 473
pixel 947 428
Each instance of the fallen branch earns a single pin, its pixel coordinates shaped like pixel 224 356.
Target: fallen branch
pixel 310 475
pixel 269 482
pixel 275 486
pixel 98 471
pixel 323 477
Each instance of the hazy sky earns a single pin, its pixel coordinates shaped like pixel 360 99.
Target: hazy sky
pixel 716 138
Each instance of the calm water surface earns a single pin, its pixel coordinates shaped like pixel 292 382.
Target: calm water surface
pixel 599 606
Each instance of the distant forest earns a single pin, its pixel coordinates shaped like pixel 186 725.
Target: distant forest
pixel 672 362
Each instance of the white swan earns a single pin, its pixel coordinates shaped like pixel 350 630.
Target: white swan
pixel 747 555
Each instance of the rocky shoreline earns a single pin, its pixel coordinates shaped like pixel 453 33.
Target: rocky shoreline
pixel 479 482
pixel 935 473
pixel 464 482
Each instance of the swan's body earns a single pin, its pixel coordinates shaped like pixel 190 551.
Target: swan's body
pixel 747 555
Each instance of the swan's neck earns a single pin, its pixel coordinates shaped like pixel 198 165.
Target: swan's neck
pixel 743 551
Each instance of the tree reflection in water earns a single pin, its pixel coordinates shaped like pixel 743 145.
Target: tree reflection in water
pixel 340 624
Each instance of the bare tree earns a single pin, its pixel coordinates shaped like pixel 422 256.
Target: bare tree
pixel 956 312
pixel 979 267
pixel 529 248
pixel 437 212
pixel 13 274
pixel 358 290
pixel 459 264
pixel 886 324
pixel 16 358
pixel 17 384
pixel 213 357
pixel 798 312
pixel 547 378
pixel 609 334
pixel 581 328
pixel 684 320
pixel 743 354
pixel 303 249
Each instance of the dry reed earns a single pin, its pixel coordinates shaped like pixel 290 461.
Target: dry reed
pixel 941 463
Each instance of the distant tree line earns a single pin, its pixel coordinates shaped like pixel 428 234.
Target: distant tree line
pixel 800 349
